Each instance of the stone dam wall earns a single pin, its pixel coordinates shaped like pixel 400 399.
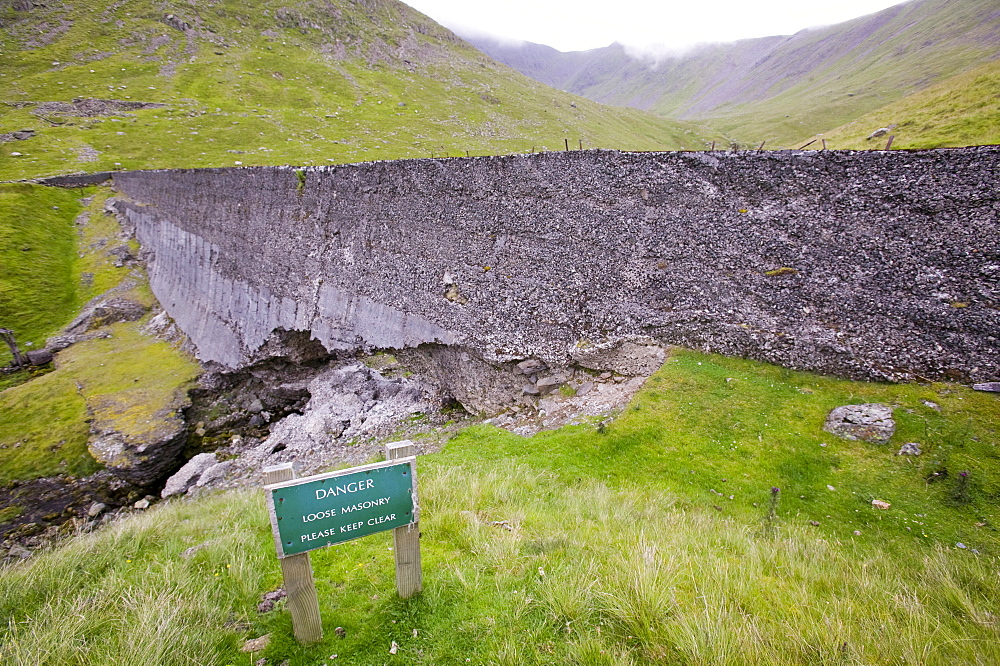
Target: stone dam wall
pixel 870 265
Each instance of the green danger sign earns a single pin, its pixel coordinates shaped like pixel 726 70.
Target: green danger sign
pixel 317 511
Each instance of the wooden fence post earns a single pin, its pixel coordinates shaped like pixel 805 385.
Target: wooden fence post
pixel 20 360
pixel 889 144
pixel 298 576
pixel 581 144
pixel 406 539
pixel 566 141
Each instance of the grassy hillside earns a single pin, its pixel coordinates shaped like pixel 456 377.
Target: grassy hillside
pixel 655 539
pixel 780 89
pixel 310 82
pixel 960 111
pixel 45 422
pixel 38 276
pixel 825 78
pixel 52 259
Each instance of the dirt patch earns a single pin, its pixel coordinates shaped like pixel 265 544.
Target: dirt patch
pixel 91 108
pixel 85 153
pixel 583 398
pixel 21 135
pixel 38 511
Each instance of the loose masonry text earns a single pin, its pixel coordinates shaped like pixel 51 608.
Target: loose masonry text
pixel 354 486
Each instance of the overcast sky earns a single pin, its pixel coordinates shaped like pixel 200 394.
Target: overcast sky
pixel 575 25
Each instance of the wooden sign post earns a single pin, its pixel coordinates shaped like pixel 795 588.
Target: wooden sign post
pixel 406 539
pixel 303 603
pixel 317 511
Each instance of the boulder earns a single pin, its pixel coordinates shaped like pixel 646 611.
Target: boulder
pixel 188 475
pixel 909 449
pixel 531 366
pixel 871 422
pixel 546 385
pixel 214 473
pixel 103 311
pixel 40 356
pixel 59 342
pixel 122 255
pixel 634 357
pixel 19 135
pixel 176 23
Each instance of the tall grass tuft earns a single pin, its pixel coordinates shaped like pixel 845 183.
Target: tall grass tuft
pixel 171 586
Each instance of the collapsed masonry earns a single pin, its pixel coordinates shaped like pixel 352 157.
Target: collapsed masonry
pixel 545 286
pixel 870 265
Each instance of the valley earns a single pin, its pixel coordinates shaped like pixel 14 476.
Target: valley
pixel 297 233
pixel 784 90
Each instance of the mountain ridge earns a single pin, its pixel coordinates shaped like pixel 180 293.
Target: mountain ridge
pixel 816 78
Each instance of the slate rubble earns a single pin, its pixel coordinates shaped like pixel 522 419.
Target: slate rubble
pixel 872 265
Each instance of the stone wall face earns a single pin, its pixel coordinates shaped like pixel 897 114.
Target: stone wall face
pixel 874 265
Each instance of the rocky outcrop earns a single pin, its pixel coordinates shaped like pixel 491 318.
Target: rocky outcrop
pixel 347 404
pixel 103 311
pixel 20 135
pixel 870 422
pixel 872 265
pixel 141 453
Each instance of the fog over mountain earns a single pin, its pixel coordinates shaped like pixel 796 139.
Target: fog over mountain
pixel 779 87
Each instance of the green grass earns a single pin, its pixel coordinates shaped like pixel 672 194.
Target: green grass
pixel 709 423
pixel 129 597
pixel 283 100
pixel 38 292
pixel 127 379
pixel 615 552
pixel 50 266
pixel 960 111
